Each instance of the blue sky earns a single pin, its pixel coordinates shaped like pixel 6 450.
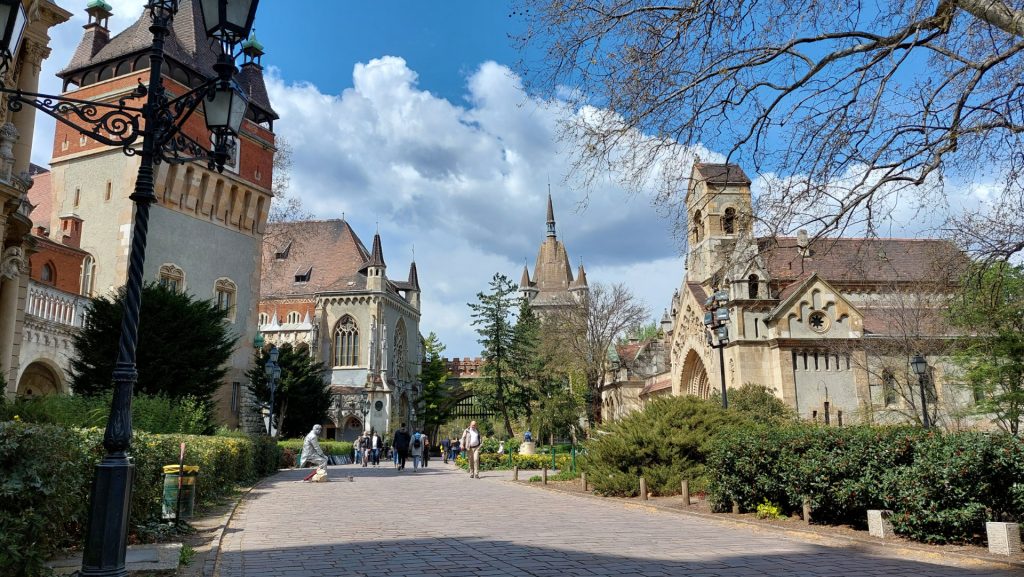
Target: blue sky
pixel 410 115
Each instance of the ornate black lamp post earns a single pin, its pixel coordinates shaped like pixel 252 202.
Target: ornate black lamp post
pixel 159 122
pixel 273 372
pixel 920 366
pixel 714 322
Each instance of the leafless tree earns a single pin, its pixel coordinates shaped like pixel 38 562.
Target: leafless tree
pixel 581 333
pixel 847 108
pixel 285 207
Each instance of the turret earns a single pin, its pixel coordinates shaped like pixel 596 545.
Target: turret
pixel 551 217
pixel 96 35
pixel 413 294
pixel 579 288
pixel 526 289
pixel 375 267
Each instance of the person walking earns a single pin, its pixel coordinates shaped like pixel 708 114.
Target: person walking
pixel 416 450
pixel 364 446
pixel 446 446
pixel 456 449
pixel 426 450
pixel 402 441
pixel 470 441
pixel 376 446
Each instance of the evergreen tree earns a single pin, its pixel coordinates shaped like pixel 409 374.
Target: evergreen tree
pixel 492 316
pixel 303 395
pixel 183 347
pixel 990 310
pixel 434 376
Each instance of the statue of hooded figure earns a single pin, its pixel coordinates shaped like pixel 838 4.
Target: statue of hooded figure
pixel 311 451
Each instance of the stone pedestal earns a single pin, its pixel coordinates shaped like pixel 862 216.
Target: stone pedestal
pixel 1003 538
pixel 528 448
pixel 879 524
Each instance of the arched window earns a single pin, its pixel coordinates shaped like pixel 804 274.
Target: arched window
pixel 88 272
pixel 48 275
pixel 729 221
pixel 264 319
pixel 293 317
pixel 888 388
pixel 752 286
pixel 225 291
pixel 346 343
pixel 698 225
pixel 172 277
pixel 400 360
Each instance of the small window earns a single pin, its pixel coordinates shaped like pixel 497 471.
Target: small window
pixel 172 277
pixel 48 275
pixel 110 189
pixel 293 317
pixel 698 225
pixel 304 274
pixel 236 393
pixel 264 319
pixel 818 321
pixel 753 286
pixel 729 221
pixel 78 196
pixel 283 254
pixel 225 291
pixel 888 388
pixel 88 272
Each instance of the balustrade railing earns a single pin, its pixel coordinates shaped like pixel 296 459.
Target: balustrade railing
pixel 50 304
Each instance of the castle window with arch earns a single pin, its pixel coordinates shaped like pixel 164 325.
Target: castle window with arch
pixel 48 275
pixel 293 317
pixel 88 272
pixel 226 291
pixel 729 221
pixel 264 319
pixel 753 284
pixel 698 225
pixel 172 277
pixel 888 388
pixel 346 343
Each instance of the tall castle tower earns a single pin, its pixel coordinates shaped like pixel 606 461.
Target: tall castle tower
pixel 718 207
pixel 206 228
pixel 552 285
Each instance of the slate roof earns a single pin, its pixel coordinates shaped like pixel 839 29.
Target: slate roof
pixel 330 247
pixel 863 260
pixel 187 44
pixel 721 174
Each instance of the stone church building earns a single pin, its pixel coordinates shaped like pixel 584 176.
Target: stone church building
pixel 829 325
pixel 552 284
pixel 323 289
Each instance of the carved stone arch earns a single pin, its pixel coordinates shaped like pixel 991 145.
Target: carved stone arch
pixel 41 377
pixel 695 376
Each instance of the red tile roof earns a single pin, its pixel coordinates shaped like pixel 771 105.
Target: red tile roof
pixel 329 247
pixel 39 197
pixel 863 260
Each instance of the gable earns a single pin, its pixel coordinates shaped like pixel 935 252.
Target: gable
pixel 816 310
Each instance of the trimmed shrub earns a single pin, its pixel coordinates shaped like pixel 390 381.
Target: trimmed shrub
pixel 664 443
pixel 329 447
pixel 153 414
pixel 495 462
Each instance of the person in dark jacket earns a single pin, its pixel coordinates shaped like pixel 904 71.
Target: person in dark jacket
pixel 401 444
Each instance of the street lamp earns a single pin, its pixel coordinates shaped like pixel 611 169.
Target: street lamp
pixel 160 125
pixel 273 372
pixel 920 367
pixel 715 319
pixel 364 408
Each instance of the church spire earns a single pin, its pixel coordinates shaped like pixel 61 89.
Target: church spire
pixel 551 215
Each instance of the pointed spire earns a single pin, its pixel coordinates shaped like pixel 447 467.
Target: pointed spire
pixel 414 278
pixel 581 277
pixel 525 281
pixel 551 215
pixel 377 258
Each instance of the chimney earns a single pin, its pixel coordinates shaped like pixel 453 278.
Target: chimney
pixel 71 230
pixel 802 242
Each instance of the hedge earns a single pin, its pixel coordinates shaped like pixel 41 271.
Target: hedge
pixel 496 462
pixel 48 472
pixel 941 487
pixel 329 447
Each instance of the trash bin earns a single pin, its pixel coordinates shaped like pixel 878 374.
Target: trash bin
pixel 188 491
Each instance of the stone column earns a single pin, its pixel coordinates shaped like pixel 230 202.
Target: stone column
pixel 12 263
pixel 30 62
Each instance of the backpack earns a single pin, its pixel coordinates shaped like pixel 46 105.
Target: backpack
pixel 416 441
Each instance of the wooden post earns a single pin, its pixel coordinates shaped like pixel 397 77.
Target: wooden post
pixel 515 473
pixel 643 488
pixel 807 510
pixel 735 507
pixel 544 476
pixel 686 492
pixel 583 481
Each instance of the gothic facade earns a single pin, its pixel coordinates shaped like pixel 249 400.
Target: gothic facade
pixel 323 290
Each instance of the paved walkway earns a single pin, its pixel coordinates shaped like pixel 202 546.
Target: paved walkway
pixel 438 521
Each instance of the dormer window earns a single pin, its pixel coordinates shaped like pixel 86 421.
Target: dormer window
pixel 303 274
pixel 283 254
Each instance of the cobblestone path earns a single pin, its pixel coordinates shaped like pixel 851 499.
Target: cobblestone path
pixel 438 521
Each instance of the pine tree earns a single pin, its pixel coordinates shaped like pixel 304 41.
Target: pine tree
pixel 492 316
pixel 183 347
pixel 434 376
pixel 302 394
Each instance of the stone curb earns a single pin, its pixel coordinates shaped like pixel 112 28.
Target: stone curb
pixel 218 537
pixel 796 533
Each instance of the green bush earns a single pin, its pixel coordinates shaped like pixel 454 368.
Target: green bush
pixel 495 462
pixel 941 487
pixel 329 447
pixel 48 471
pixel 664 443
pixel 153 414
pixel 768 511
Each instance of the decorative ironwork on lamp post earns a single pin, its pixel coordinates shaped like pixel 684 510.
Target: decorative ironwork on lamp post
pixel 715 320
pixel 155 133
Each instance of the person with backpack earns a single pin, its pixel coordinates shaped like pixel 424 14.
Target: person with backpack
pixel 471 441
pixel 446 447
pixel 416 450
pixel 426 450
pixel 364 448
